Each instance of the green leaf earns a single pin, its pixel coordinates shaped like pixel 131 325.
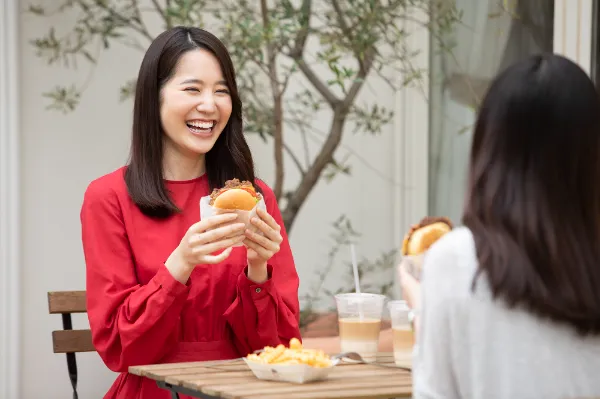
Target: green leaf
pixel 127 90
pixel 36 10
pixel 63 99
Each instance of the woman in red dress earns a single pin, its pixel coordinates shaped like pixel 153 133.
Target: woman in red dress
pixel 162 285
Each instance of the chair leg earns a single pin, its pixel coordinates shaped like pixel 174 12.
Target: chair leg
pixel 71 361
pixel 72 367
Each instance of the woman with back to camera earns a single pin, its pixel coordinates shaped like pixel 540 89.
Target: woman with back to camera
pixel 510 302
pixel 163 285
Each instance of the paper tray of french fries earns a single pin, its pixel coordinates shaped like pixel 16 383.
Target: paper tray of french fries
pixel 294 364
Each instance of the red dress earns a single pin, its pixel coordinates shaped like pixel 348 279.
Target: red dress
pixel 139 314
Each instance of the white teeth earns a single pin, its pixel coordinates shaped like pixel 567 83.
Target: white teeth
pixel 202 125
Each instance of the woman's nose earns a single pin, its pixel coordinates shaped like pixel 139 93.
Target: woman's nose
pixel 206 103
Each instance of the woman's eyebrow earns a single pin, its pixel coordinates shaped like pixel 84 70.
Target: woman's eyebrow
pixel 200 82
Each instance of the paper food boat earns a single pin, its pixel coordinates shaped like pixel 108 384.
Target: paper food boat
pixel 295 373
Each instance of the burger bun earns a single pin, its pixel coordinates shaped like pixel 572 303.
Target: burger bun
pixel 235 199
pixel 424 234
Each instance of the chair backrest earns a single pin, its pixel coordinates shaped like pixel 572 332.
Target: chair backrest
pixel 67 340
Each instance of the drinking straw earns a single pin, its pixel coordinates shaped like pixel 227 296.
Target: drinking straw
pixel 355 268
pixel 356 280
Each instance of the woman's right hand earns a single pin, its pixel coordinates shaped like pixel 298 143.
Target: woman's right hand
pixel 203 239
pixel 411 287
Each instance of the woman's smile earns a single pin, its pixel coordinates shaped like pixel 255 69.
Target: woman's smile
pixel 201 127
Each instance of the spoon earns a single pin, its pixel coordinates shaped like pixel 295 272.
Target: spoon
pixel 359 359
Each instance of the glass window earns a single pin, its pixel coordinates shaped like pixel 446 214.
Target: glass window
pixel 491 35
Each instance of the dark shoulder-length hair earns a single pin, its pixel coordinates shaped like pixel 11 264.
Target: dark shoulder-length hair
pixel 533 201
pixel 230 156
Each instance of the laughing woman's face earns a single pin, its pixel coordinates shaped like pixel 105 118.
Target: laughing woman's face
pixel 195 104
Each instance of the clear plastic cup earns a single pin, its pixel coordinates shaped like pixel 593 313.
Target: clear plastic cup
pixel 402 332
pixel 359 318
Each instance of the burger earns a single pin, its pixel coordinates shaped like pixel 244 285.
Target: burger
pixel 423 234
pixel 235 195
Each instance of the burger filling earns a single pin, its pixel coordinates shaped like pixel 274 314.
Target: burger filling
pixel 235 183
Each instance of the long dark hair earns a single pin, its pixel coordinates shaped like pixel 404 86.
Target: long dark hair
pixel 230 156
pixel 533 202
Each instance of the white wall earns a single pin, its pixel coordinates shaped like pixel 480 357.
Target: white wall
pixel 61 154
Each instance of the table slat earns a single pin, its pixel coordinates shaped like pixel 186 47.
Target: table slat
pixel 191 372
pixel 385 392
pixel 140 370
pixel 246 391
pixel 201 381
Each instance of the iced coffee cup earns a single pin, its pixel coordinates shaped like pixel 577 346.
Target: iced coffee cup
pixel 402 332
pixel 359 318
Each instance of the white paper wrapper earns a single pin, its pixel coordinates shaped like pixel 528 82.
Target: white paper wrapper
pixel 295 373
pixel 207 211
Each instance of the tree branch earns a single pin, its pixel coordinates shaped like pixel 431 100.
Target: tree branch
pixel 163 13
pixel 301 124
pixel 360 80
pixel 297 54
pixel 346 31
pixel 341 20
pixel 138 16
pixel 140 27
pixel 310 179
pixel 325 156
pixel 321 87
pixel 295 159
pixel 304 19
pixel 277 102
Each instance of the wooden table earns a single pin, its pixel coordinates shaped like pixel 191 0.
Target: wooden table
pixel 233 379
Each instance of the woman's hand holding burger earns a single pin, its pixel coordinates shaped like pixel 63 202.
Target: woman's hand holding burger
pixel 417 241
pixel 242 196
pixel 203 239
pixel 261 248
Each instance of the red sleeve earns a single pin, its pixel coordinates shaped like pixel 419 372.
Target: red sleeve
pixel 267 313
pixel 131 324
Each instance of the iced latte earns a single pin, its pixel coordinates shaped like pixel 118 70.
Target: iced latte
pixel 402 333
pixel 359 318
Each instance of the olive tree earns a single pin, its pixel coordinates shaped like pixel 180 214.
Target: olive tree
pixel 333 47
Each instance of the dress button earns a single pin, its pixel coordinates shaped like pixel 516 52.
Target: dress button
pixel 258 290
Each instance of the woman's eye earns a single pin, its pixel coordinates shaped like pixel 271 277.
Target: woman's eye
pixel 224 91
pixel 191 89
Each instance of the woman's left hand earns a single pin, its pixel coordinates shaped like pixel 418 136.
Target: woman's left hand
pixel 411 291
pixel 262 247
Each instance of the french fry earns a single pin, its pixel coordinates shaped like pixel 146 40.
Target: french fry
pixel 295 343
pixel 295 354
